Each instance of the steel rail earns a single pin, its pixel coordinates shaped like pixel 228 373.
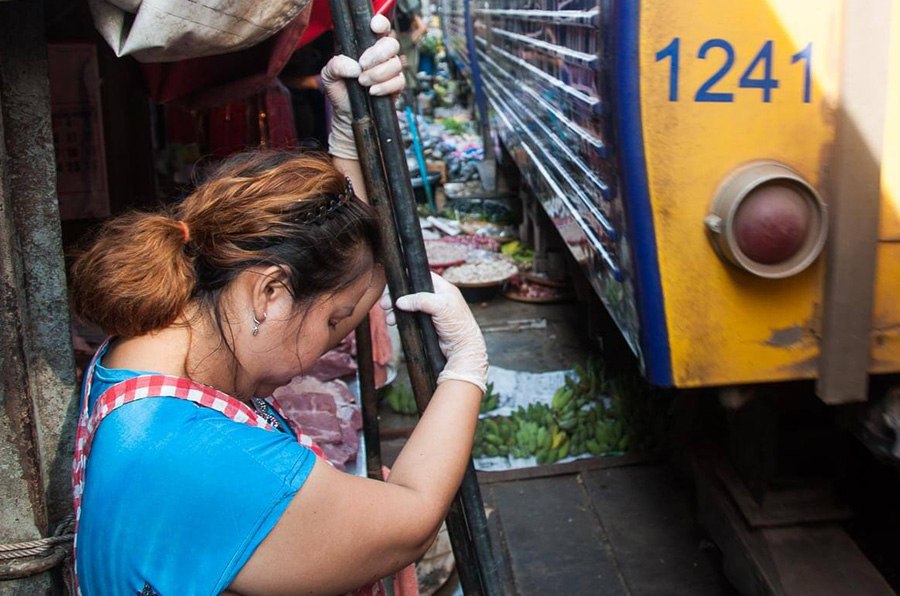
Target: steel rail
pixel 560 193
pixel 562 171
pixel 598 145
pixel 594 104
pixel 583 18
pixel 591 61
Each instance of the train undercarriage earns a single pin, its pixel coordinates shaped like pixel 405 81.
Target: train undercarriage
pixel 798 495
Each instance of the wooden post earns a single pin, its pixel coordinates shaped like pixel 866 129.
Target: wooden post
pixel 37 391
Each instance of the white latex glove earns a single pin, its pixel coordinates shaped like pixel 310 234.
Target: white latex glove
pixel 459 335
pixel 378 69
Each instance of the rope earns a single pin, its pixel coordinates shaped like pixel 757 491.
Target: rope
pixel 41 547
pixel 32 548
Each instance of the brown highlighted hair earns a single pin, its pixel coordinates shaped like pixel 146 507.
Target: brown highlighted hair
pixel 256 208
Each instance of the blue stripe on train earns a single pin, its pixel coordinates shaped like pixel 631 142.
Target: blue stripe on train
pixel 654 337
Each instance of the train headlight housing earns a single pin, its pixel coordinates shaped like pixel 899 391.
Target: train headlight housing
pixel 767 220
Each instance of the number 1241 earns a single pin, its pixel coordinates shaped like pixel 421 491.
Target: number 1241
pixel 758 74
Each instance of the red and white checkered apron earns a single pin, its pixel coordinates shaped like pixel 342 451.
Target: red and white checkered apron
pixel 145 386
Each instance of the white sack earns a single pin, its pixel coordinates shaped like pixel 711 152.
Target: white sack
pixel 168 30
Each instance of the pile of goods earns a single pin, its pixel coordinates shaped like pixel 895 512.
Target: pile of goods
pixel 530 288
pixel 472 207
pixel 452 139
pixel 581 420
pixel 474 242
pixel 323 405
pixel 327 412
pixel 480 273
pixel 445 90
pixel 472 254
pixel 490 400
pixel 519 254
pixel 436 88
pixel 442 254
pixel 490 219
pixel 402 401
pixel 455 141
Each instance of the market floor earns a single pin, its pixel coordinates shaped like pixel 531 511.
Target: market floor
pixel 596 527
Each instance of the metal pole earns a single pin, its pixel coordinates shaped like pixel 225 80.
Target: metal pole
pixel 477 83
pixel 487 167
pixel 420 374
pixel 466 519
pixel 420 156
pixel 366 371
pixel 401 193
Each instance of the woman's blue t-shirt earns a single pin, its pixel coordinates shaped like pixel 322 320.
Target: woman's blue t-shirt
pixel 177 496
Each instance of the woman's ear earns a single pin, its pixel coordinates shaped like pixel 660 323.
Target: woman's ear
pixel 270 289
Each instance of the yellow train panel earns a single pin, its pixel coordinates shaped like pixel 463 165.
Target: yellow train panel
pixel 886 316
pixel 722 85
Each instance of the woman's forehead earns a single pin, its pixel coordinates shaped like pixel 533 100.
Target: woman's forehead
pixel 359 287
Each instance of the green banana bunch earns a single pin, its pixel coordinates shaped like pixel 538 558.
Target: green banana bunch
pixel 562 398
pixel 490 400
pixel 401 400
pixel 577 421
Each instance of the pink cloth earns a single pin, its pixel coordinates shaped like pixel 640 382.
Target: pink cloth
pixel 382 350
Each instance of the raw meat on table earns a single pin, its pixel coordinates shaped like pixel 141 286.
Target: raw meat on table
pixel 327 412
pixel 325 408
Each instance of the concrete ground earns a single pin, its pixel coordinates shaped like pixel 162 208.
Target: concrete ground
pixel 602 526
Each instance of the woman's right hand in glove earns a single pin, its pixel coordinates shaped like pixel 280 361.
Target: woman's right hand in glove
pixel 460 337
pixel 378 69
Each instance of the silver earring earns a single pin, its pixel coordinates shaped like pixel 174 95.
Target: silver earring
pixel 256 323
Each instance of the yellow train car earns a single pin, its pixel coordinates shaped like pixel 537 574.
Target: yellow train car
pixel 772 123
pixel 723 172
pixel 727 177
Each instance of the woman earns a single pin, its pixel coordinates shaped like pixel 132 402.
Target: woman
pixel 186 484
pixel 410 31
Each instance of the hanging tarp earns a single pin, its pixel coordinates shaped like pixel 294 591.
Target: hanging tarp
pixel 169 30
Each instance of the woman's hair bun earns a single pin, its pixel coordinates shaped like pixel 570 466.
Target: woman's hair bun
pixel 136 277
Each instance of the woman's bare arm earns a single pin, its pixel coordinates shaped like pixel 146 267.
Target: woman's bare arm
pixel 341 532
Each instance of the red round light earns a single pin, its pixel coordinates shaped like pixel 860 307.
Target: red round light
pixel 772 223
